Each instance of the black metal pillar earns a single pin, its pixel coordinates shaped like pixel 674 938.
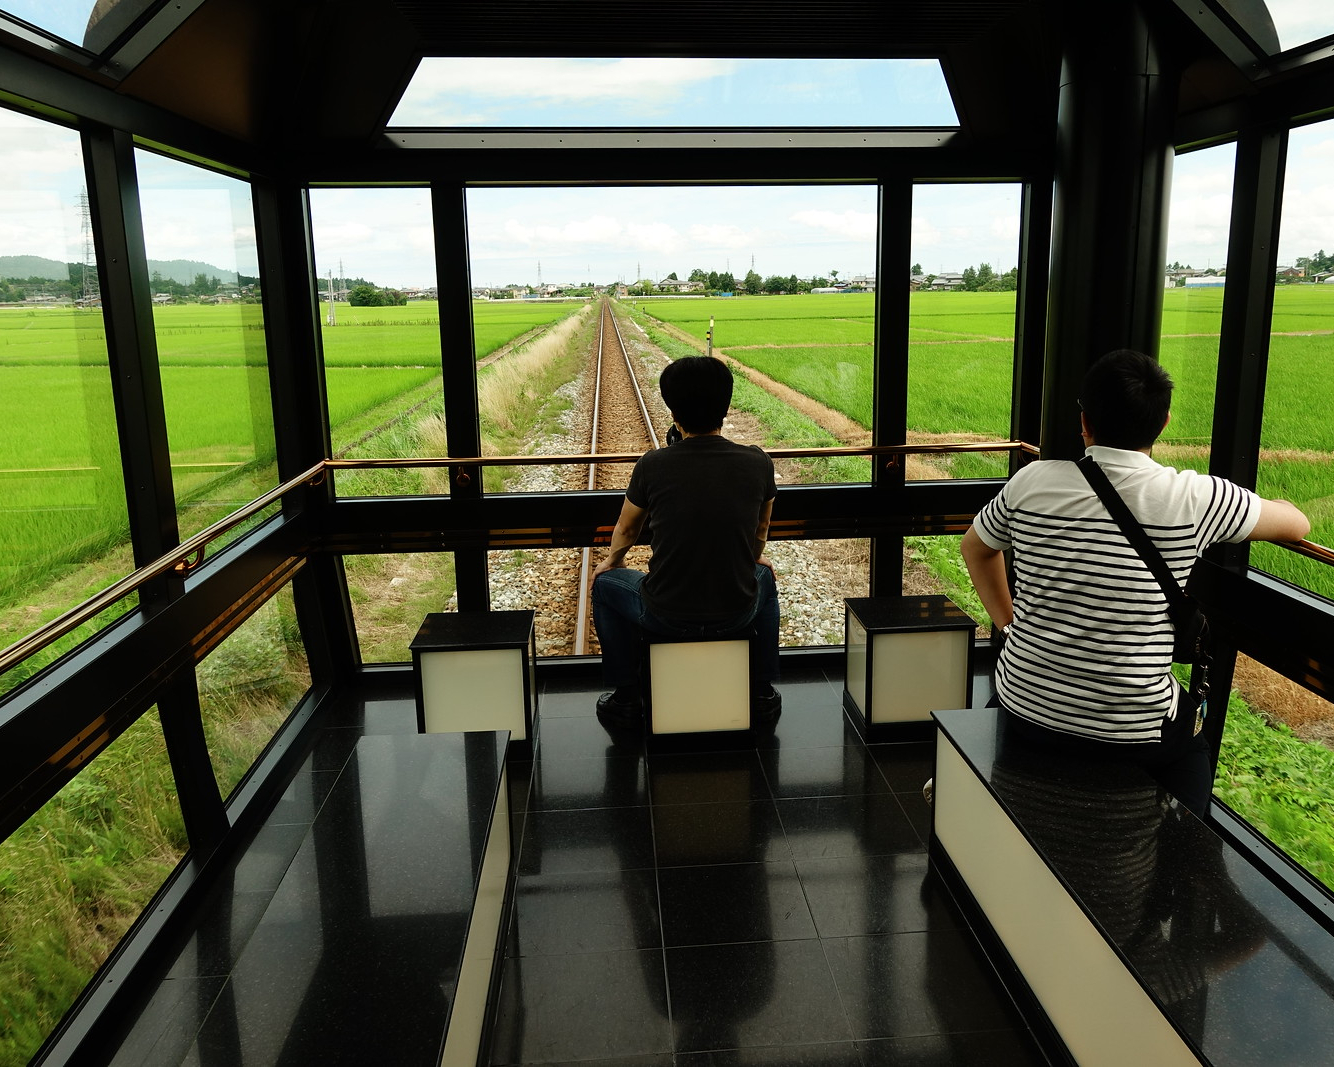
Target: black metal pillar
pixel 890 395
pixel 1243 354
pixel 1031 315
pixel 1113 181
pixel 458 361
pixel 127 310
pixel 301 417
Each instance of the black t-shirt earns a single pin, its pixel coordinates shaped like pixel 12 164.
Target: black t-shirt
pixel 703 496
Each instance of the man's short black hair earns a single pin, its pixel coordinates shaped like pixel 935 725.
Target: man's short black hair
pixel 1126 396
pixel 697 391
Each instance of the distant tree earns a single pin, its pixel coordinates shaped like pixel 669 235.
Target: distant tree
pixel 753 283
pixel 793 284
pixel 1009 281
pixel 917 268
pixel 772 284
pixel 673 277
pixel 929 279
pixel 713 280
pixel 834 274
pixel 984 275
pixel 367 295
pixel 819 283
pixel 726 282
pixel 969 279
pixel 699 275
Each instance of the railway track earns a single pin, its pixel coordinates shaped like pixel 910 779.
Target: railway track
pixel 620 423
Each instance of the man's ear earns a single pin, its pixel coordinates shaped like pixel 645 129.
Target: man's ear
pixel 1166 421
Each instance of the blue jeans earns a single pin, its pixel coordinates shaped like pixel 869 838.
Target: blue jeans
pixel 622 620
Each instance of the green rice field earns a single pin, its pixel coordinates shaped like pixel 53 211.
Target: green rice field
pixel 960 355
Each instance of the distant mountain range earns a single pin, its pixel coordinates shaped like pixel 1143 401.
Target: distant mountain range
pixel 179 270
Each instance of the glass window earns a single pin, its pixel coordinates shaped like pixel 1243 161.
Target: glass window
pixel 1194 282
pixel 779 280
pixel 199 231
pixel 392 594
pixel 380 327
pixel 1296 459
pixel 674 91
pixel 77 874
pixel 248 686
pixel 1275 765
pixel 64 527
pixel 814 577
pixel 964 274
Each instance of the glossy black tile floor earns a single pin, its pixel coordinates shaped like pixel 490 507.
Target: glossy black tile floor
pixel 771 905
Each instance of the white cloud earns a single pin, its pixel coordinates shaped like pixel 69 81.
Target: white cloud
pixel 853 225
pixel 441 82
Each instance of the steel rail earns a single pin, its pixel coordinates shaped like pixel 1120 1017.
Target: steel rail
pixel 586 555
pixel 179 560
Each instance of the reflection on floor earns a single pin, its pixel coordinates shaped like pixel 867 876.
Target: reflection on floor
pixel 770 906
pixel 765 906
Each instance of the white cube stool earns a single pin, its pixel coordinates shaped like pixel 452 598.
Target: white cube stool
pixel 696 687
pixel 906 656
pixel 475 671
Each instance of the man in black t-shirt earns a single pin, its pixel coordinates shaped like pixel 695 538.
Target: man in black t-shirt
pixel 709 501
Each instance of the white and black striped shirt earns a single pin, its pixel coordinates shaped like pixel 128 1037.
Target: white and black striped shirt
pixel 1090 650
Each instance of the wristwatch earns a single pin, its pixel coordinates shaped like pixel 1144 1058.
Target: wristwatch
pixel 1007 628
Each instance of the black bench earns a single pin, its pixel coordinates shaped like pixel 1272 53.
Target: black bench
pixel 1139 933
pixel 380 942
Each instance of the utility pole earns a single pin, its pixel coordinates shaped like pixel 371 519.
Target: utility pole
pixel 91 289
pixel 331 300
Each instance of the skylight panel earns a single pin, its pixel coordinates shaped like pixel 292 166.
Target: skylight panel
pixel 1300 22
pixel 472 93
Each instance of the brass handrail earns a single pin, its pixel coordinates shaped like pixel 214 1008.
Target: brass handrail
pixel 178 559
pixel 631 457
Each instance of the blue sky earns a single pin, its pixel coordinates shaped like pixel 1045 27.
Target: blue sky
pixel 384 234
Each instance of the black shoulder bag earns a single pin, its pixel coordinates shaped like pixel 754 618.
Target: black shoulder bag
pixel 1191 643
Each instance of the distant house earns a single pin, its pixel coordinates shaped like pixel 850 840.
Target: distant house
pixel 916 281
pixel 679 286
pixel 1205 281
pixel 863 282
pixel 1290 272
pixel 948 280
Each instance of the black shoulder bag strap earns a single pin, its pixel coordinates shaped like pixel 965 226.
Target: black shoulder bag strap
pixel 1187 620
pixel 1139 540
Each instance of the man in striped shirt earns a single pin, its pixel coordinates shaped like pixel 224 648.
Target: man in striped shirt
pixel 1086 664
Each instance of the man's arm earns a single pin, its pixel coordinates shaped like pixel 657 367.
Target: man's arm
pixel 629 524
pixel 986 566
pixel 1280 521
pixel 762 532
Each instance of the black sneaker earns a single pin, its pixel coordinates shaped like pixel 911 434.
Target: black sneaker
pixel 620 712
pixel 765 706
